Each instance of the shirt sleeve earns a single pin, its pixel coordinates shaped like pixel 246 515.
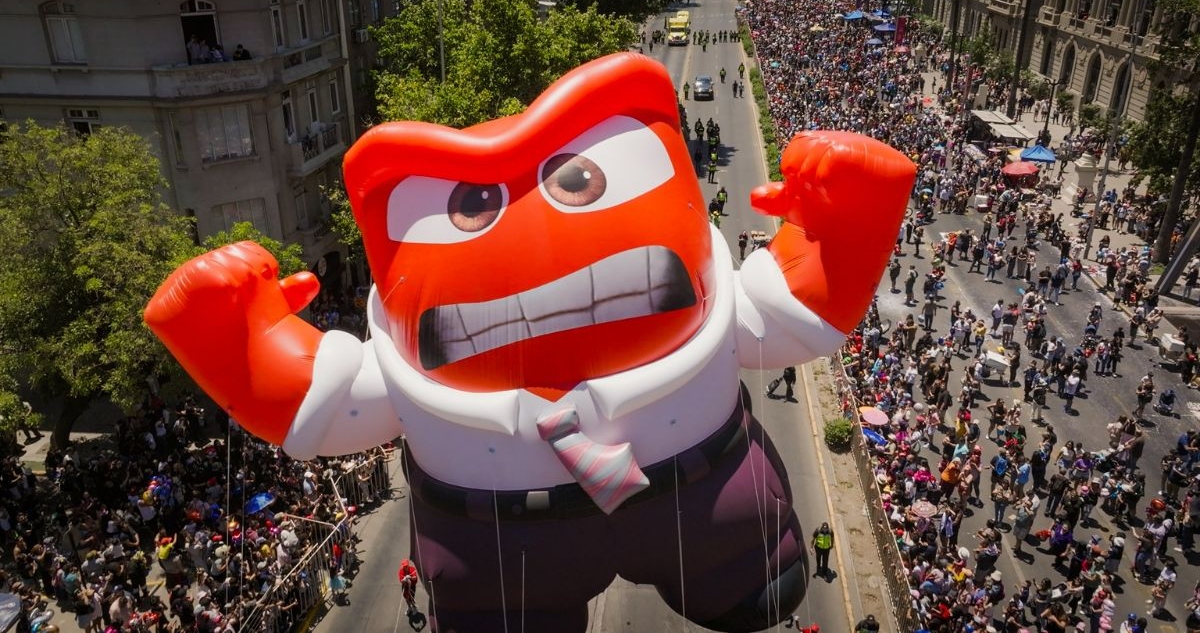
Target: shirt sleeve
pixel 774 329
pixel 347 394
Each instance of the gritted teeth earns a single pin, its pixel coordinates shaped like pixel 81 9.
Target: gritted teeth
pixel 634 283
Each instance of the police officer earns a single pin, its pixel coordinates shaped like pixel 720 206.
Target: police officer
pixel 722 75
pixel 722 198
pixel 822 544
pixel 687 88
pixel 742 71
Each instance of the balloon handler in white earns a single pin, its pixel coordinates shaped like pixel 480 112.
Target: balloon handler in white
pixel 557 330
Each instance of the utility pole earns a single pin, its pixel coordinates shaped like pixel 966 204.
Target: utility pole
pixel 1018 60
pixel 1111 146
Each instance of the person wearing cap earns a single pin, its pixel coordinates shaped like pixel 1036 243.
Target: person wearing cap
pixel 822 545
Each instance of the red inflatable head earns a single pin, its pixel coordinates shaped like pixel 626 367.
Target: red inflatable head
pixel 539 250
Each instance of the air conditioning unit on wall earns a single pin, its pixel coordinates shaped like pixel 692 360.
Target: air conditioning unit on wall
pixel 362 36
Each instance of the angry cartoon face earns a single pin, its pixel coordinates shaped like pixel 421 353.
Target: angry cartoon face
pixel 537 251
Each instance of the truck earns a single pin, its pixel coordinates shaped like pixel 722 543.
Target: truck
pixel 679 29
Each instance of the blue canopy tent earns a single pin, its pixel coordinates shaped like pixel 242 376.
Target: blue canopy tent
pixel 886 28
pixel 874 41
pixel 854 15
pixel 1038 154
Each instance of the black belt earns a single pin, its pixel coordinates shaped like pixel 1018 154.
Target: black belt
pixel 569 500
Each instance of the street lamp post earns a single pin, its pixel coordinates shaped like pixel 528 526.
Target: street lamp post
pixel 1046 125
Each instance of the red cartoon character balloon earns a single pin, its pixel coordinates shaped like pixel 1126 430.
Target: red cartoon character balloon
pixel 557 331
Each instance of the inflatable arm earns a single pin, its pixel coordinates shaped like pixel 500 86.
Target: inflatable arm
pixel 842 200
pixel 231 323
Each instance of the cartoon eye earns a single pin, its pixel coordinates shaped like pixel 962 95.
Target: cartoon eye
pixel 573 180
pixel 424 210
pixel 472 207
pixel 610 164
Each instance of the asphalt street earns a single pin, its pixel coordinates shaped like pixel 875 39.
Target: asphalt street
pixel 374 599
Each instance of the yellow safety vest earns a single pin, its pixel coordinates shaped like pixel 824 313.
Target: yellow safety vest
pixel 824 540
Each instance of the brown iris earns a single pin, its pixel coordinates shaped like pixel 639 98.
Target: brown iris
pixel 573 180
pixel 474 207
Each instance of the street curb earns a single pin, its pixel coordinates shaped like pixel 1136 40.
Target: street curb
pixel 849 576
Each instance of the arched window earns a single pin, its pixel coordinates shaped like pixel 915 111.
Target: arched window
pixel 1066 72
pixel 1091 83
pixel 1120 90
pixel 201 35
pixel 62 33
pixel 1047 54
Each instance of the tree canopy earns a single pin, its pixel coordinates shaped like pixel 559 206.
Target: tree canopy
pixel 86 240
pixel 499 56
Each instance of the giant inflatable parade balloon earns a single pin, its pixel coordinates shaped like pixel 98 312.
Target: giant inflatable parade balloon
pixel 557 330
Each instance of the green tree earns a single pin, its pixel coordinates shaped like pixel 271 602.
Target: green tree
pixel 1156 142
pixel 289 256
pixel 345 226
pixel 86 241
pixel 1179 65
pixel 636 10
pixel 499 56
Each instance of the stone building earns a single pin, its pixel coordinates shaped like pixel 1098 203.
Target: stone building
pixel 239 139
pixel 1100 50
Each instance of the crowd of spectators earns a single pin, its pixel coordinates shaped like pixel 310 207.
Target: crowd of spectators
pixel 166 498
pixel 929 458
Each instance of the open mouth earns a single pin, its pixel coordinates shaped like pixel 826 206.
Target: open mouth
pixel 638 282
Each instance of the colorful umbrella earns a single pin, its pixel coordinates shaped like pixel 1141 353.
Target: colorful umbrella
pixel 924 509
pixel 259 502
pixel 1020 169
pixel 872 416
pixel 874 437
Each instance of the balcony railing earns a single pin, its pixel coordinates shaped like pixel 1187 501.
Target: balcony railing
pixel 315 148
pixel 286 67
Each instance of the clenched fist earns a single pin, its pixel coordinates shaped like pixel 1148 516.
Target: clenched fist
pixel 228 317
pixel 843 198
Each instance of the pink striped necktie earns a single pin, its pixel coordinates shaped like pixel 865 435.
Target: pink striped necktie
pixel 608 474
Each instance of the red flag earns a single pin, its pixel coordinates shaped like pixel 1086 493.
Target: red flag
pixel 901 27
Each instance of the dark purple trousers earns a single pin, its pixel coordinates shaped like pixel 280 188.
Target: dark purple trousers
pixel 743 564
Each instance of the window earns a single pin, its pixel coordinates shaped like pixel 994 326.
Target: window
pixel 335 100
pixel 224 132
pixel 302 19
pixel 376 12
pixel 302 221
pixel 327 18
pixel 200 34
pixel 230 213
pixel 62 30
pixel 277 27
pixel 314 114
pixel 83 121
pixel 355 13
pixel 289 118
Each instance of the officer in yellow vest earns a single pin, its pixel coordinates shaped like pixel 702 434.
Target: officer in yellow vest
pixel 822 544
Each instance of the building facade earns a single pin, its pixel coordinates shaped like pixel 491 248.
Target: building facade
pixel 249 104
pixel 1100 50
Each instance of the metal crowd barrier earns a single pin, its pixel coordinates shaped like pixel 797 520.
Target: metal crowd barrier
pixel 308 581
pixel 907 617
